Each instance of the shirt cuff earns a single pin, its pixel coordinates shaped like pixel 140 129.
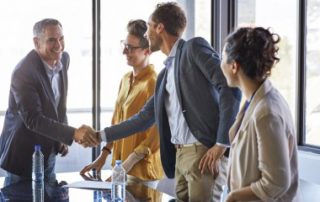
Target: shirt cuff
pixel 103 136
pixel 223 145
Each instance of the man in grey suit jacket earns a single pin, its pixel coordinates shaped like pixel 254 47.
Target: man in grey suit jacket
pixel 37 107
pixel 192 107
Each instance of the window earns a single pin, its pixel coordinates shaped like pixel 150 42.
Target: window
pixel 251 12
pixel 76 18
pixel 16 42
pixel 113 62
pixel 312 111
pixel 284 76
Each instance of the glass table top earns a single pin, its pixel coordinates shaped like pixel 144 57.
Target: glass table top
pixel 29 191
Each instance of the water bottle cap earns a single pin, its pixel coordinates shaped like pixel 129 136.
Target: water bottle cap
pixel 118 162
pixel 37 147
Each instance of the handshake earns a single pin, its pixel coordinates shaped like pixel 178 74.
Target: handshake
pixel 86 136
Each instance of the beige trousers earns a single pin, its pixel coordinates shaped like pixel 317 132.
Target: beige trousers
pixel 191 185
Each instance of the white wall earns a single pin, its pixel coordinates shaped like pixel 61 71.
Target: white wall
pixel 309 166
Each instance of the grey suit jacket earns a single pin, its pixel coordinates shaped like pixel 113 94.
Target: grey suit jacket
pixel 31 117
pixel 208 104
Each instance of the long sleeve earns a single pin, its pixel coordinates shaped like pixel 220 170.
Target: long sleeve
pixel 228 98
pixel 35 106
pixel 151 144
pixel 140 151
pixel 125 119
pixel 273 162
pixel 263 152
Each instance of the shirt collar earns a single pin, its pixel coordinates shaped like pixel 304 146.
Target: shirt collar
pixel 52 69
pixel 173 52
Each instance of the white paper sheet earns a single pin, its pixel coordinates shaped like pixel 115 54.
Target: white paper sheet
pixel 89 185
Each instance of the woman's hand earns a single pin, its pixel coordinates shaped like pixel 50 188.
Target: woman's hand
pixel 97 164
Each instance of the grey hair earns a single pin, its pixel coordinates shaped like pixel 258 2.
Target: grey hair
pixel 42 24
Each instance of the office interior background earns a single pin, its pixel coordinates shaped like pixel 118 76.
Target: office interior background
pixel 93 30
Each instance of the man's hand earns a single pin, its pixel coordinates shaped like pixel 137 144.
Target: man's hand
pixel 86 136
pixel 211 160
pixel 63 149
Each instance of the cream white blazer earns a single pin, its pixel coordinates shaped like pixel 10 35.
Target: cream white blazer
pixel 263 148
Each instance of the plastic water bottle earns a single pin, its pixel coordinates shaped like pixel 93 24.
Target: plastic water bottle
pixel 37 165
pixel 37 175
pixel 38 191
pixel 118 190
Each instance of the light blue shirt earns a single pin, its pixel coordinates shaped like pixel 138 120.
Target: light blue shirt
pixel 54 78
pixel 180 132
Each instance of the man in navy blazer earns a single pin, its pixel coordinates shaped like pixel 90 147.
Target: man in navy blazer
pixel 193 108
pixel 37 107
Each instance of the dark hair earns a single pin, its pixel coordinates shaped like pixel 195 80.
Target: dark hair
pixel 171 16
pixel 138 28
pixel 254 49
pixel 42 24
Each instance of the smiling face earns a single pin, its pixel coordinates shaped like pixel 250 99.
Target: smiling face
pixel 135 54
pixel 50 44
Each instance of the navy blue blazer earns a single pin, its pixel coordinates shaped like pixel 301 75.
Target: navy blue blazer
pixel 31 117
pixel 208 104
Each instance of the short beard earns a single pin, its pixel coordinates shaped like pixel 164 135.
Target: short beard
pixel 156 45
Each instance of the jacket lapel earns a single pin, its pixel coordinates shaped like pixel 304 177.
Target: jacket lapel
pixel 46 82
pixel 63 88
pixel 177 68
pixel 236 126
pixel 243 119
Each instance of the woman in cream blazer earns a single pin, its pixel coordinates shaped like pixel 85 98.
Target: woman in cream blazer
pixel 263 158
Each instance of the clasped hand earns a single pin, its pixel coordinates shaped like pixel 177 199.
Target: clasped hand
pixel 86 136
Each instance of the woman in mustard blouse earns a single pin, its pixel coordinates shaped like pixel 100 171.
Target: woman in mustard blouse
pixel 139 153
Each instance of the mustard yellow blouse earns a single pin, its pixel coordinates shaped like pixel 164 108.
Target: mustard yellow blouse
pixel 134 92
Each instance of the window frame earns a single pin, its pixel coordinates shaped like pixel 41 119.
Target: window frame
pixel 229 22
pixel 302 87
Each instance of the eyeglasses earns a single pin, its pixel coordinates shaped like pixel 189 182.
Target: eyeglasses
pixel 129 48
